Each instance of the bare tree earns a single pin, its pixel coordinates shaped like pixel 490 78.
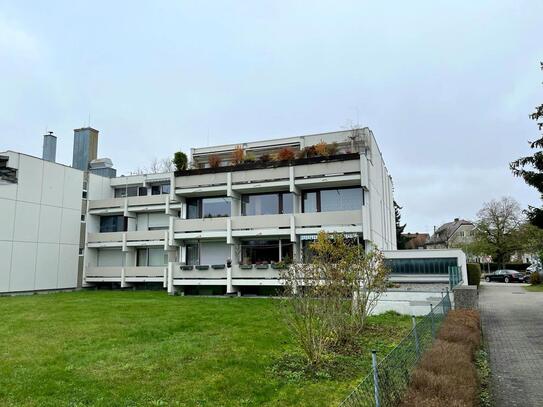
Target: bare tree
pixel 156 166
pixel 498 230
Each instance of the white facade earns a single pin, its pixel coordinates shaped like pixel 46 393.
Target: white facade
pixel 40 219
pixel 252 216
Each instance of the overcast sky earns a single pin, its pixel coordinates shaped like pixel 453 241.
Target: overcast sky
pixel 445 86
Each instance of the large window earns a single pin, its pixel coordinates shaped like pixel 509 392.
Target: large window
pixel 152 257
pixel 126 191
pixel 266 204
pixel 265 251
pixel 114 223
pixel 208 207
pixel 329 200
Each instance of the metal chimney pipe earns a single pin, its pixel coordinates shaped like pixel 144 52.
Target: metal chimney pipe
pixel 49 147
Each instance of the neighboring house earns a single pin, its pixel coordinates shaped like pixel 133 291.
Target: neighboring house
pixel 416 240
pixel 452 234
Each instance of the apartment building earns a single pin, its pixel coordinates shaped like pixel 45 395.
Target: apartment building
pixel 239 214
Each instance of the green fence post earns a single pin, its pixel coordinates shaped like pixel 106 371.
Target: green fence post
pixel 432 321
pixel 417 346
pixel 375 378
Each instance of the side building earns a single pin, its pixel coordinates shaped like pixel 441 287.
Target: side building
pixel 237 216
pixel 40 219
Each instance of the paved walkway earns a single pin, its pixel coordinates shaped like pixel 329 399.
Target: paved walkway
pixel 512 321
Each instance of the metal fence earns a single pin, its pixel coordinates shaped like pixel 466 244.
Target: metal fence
pixel 388 381
pixel 455 276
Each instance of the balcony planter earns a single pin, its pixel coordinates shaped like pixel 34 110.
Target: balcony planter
pixel 218 266
pixel 246 266
pixel 186 268
pixel 206 267
pixel 262 266
pixel 279 266
pixel 258 165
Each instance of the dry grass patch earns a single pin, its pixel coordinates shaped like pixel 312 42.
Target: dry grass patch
pixel 447 375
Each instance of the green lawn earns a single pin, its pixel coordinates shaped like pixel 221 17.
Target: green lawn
pixel 534 288
pixel 148 348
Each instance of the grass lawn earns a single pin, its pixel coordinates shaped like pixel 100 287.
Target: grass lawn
pixel 534 288
pixel 148 348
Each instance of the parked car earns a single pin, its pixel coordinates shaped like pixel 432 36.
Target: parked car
pixel 506 276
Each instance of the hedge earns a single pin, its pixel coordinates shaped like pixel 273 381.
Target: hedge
pixel 474 274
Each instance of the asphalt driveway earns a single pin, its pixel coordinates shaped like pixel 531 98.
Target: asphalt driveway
pixel 512 320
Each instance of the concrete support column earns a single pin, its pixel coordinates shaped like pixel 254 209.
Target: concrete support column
pixel 297 250
pixel 171 290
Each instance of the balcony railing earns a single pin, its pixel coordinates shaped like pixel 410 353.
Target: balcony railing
pixel 135 236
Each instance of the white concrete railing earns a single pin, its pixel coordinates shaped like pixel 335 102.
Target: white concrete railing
pixel 326 168
pixel 119 203
pixel 107 272
pixel 139 235
pixel 193 181
pixel 254 272
pixel 145 271
pixel 337 218
pixel 105 237
pixel 197 225
pixel 260 221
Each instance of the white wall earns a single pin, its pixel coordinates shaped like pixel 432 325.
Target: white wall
pixel 39 226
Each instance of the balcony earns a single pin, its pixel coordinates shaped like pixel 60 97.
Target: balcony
pixel 339 170
pixel 125 274
pixel 241 272
pixel 261 225
pixel 197 228
pixel 341 221
pixel 135 238
pixel 133 203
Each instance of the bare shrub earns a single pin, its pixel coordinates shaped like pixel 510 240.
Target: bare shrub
pixel 214 161
pixel 328 300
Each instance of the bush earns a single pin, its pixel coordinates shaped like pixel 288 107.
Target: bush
pixel 286 154
pixel 321 148
pixel 265 158
pixel 249 158
pixel 180 161
pixel 332 148
pixel 535 278
pixel 474 274
pixel 449 365
pixel 237 155
pixel 214 161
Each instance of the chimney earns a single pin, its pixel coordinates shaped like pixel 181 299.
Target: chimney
pixel 49 147
pixel 85 147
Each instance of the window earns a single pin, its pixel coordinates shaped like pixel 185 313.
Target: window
pixel 114 223
pixel 152 257
pixel 310 202
pixel 126 191
pixel 82 218
pixel 328 200
pixel 265 251
pixel 84 194
pixel 198 208
pixel 193 254
pixel 266 204
pixel 81 251
pixel 142 191
pixel 160 189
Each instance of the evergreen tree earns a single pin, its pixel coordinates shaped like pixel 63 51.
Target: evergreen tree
pixel 530 168
pixel 401 240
